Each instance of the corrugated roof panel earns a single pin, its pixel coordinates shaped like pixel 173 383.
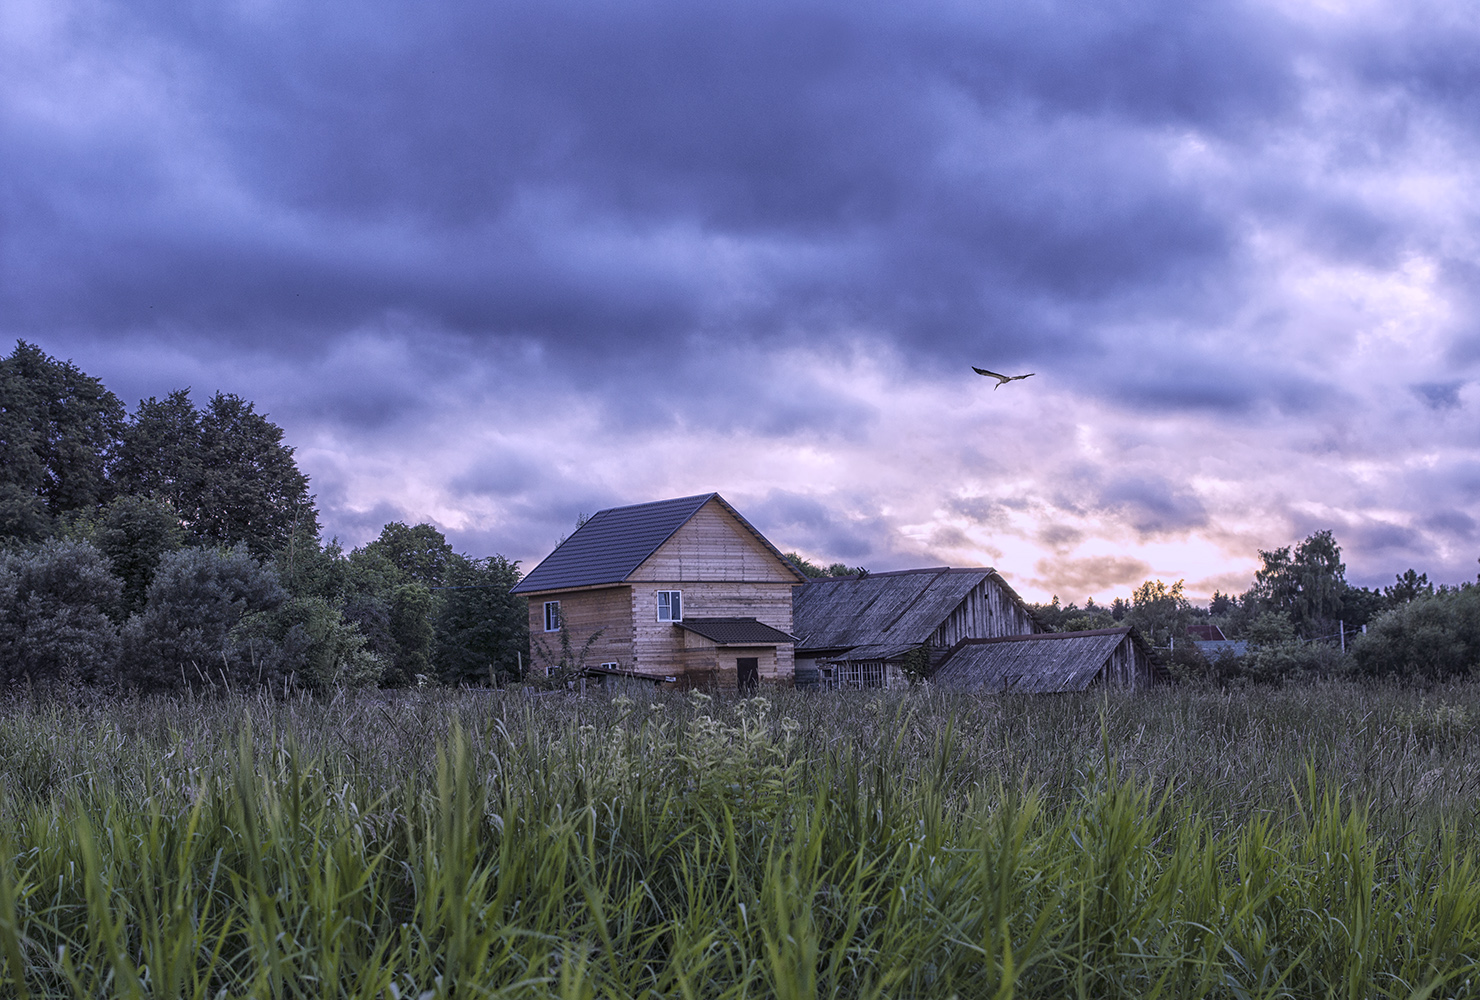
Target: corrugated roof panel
pixel 613 543
pixel 1037 664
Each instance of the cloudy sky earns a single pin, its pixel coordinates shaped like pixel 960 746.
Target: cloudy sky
pixel 496 264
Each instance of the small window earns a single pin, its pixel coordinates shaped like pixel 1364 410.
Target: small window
pixel 670 605
pixel 611 666
pixel 552 616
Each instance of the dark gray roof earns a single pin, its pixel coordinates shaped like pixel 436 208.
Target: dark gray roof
pixel 1036 664
pixel 902 608
pixel 736 631
pixel 614 542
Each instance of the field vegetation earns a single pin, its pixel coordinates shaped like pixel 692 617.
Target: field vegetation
pixel 1310 841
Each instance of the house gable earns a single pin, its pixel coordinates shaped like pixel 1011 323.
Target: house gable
pixel 715 545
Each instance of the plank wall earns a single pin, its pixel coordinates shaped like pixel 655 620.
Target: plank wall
pixel 659 647
pixel 987 612
pixel 584 611
pixel 1127 667
pixel 713 546
pixel 707 665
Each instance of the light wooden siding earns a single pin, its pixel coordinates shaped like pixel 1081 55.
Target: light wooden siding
pixel 707 665
pixel 713 546
pixel 658 647
pixel 585 611
pixel 985 613
pixel 1127 667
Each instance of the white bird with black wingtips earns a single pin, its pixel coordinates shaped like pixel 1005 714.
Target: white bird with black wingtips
pixel 1001 379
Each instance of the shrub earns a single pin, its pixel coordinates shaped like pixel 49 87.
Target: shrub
pixel 306 642
pixel 198 596
pixel 1432 637
pixel 54 614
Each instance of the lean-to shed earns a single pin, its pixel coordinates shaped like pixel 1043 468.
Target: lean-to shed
pixel 860 631
pixel 1049 662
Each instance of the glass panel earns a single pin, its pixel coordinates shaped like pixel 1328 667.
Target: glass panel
pixel 677 605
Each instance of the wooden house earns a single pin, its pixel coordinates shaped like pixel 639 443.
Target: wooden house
pixel 1049 662
pixel 868 630
pixel 684 589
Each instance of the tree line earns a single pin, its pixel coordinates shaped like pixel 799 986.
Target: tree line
pixel 177 547
pixel 1301 619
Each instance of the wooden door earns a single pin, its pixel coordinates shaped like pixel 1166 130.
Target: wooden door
pixel 748 672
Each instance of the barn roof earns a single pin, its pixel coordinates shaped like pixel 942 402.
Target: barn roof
pixel 736 631
pixel 1032 664
pixel 890 610
pixel 610 546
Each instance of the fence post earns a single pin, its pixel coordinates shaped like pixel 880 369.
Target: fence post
pixel 1343 635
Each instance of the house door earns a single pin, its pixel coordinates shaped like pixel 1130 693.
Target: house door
pixel 748 672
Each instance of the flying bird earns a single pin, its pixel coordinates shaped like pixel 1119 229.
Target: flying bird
pixel 1001 379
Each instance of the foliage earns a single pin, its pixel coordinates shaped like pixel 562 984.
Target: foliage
pixel 1161 613
pixel 1056 617
pixel 1307 584
pixel 58 431
pixel 559 667
pixel 482 631
pixel 815 572
pixel 224 469
pixel 1185 843
pixel 23 516
pixel 197 597
pixel 55 604
pixel 134 533
pixel 420 554
pixel 303 642
pixel 1408 586
pixel 1277 655
pixel 1431 637
pixel 410 627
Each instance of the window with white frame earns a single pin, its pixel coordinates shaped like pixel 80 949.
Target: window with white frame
pixel 670 605
pixel 552 616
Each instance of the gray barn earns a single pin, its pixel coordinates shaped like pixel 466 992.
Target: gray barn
pixel 857 631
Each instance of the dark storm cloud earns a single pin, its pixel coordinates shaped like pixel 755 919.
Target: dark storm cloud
pixel 389 222
pixel 504 170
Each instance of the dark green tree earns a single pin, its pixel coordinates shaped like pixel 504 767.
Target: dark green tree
pixel 134 532
pixel 421 554
pixel 252 489
pixel 482 629
pixel 1307 583
pixel 161 454
pixel 1408 586
pixel 59 431
pixel 224 469
pixel 411 629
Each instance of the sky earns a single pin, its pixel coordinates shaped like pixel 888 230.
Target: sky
pixel 494 265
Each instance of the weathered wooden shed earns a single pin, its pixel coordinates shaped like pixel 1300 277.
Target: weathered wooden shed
pixel 857 631
pixel 1049 662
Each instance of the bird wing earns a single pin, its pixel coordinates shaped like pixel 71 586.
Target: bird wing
pixel 983 371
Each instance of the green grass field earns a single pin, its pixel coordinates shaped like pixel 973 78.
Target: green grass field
pixel 1306 842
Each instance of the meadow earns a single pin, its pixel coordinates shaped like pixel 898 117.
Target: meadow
pixel 1308 841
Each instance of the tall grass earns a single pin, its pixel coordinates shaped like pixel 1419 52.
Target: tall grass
pixel 1189 843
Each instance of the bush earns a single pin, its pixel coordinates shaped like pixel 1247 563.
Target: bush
pixel 304 642
pixel 54 615
pixel 1432 637
pixel 197 597
pixel 1276 655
